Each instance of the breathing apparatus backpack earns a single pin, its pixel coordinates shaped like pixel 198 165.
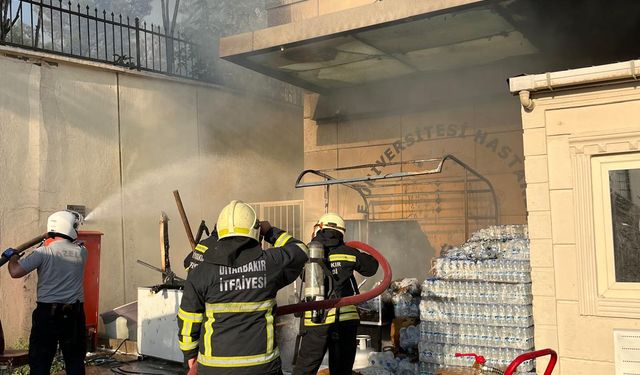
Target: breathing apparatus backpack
pixel 318 280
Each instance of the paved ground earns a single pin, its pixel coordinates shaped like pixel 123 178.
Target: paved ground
pixel 139 367
pixel 130 365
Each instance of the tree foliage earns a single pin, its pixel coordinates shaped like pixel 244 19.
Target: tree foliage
pixel 131 8
pixel 204 22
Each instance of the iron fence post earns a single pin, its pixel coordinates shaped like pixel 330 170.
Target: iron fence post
pixel 176 48
pixel 138 43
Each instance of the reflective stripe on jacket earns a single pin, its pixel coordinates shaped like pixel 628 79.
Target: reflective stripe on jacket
pixel 226 316
pixel 349 312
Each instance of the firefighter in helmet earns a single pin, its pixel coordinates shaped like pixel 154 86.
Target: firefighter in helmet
pixel 58 318
pixel 226 317
pixel 337 332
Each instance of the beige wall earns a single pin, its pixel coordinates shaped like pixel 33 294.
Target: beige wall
pixel 484 134
pixel 584 341
pixel 285 11
pixel 120 144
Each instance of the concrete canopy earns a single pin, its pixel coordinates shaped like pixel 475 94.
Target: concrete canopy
pixel 382 41
pixel 415 45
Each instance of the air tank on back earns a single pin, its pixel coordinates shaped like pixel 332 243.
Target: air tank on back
pixel 314 287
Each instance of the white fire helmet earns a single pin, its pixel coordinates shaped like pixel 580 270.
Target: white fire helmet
pixel 65 223
pixel 238 219
pixel 330 221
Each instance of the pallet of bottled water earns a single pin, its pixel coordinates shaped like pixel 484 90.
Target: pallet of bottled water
pixel 479 292
pixel 445 354
pixel 477 335
pixel 504 233
pixel 496 242
pixel 472 313
pixel 432 369
pixel 479 301
pixel 495 270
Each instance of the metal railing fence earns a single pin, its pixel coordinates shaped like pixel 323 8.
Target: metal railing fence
pixel 75 31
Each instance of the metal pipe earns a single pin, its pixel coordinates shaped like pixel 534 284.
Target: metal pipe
pixel 364 178
pixel 334 181
pixel 372 165
pixel 525 100
pixel 330 178
pixel 346 181
pixel 150 266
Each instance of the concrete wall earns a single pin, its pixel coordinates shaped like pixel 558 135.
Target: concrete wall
pixel 583 339
pixel 120 143
pixel 285 11
pixel 485 134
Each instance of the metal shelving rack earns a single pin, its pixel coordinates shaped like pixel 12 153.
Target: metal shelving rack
pixel 433 196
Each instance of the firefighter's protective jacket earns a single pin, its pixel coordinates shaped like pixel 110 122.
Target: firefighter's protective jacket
pixel 226 317
pixel 342 260
pixel 194 258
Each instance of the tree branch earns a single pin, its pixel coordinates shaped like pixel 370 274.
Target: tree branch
pixel 38 26
pixel 175 15
pixel 18 13
pixel 4 9
pixel 165 11
pixel 4 19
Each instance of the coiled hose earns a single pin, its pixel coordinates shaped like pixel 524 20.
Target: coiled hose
pixel 351 300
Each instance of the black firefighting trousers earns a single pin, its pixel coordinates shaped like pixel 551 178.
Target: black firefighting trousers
pixel 54 324
pixel 339 338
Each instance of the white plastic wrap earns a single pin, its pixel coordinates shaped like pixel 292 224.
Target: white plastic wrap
pixel 373 371
pixel 469 313
pixel 406 367
pixel 478 292
pixel 496 242
pixel 477 335
pixel 495 270
pixel 386 363
pixel 407 285
pixel 384 360
pixel 409 338
pixel 405 305
pixel 479 302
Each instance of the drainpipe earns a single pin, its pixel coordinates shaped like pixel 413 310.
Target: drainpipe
pixel 525 100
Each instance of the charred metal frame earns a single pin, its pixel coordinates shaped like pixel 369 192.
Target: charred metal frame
pixel 365 193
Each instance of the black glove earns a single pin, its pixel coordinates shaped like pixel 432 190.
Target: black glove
pixel 8 253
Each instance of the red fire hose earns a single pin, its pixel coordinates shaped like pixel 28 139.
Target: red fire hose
pixel 23 247
pixel 532 355
pixel 351 300
pixel 513 366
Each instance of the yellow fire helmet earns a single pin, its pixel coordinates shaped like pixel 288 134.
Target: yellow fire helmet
pixel 238 219
pixel 329 221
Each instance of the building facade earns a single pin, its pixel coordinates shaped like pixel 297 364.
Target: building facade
pixel 389 82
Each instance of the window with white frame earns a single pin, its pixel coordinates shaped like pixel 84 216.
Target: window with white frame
pixel 616 195
pixel 606 187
